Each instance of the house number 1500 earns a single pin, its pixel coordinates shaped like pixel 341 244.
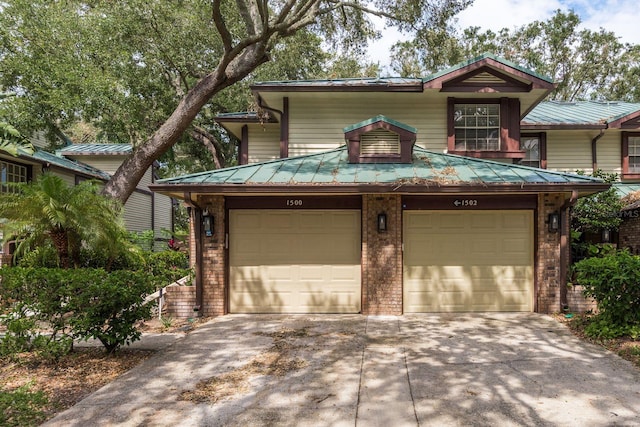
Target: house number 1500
pixel 294 202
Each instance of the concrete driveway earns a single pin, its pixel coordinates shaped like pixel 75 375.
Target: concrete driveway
pixel 345 370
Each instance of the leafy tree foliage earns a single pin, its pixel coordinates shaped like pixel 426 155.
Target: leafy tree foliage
pixel 598 211
pixel 586 64
pixel 66 216
pixel 612 280
pixel 155 73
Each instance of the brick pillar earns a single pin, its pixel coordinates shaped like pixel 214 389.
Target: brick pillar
pixel 213 259
pixel 381 255
pixel 548 255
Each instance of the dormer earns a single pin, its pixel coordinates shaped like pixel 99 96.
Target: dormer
pixel 380 140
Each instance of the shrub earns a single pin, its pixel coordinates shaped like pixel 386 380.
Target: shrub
pixel 82 303
pixel 613 280
pixel 167 266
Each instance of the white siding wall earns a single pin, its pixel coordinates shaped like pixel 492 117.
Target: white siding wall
pixel 570 150
pixel 264 142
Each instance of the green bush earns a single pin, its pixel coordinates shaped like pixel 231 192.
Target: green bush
pixel 21 407
pixel 79 303
pixel 106 306
pixel 613 280
pixel 167 266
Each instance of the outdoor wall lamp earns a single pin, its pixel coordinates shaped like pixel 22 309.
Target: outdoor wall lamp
pixel 606 235
pixel 554 222
pixel 382 222
pixel 207 224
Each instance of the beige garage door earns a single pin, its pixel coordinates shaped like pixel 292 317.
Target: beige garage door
pixel 468 261
pixel 305 261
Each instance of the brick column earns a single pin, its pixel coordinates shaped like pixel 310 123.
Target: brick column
pixel 382 255
pixel 548 256
pixel 213 259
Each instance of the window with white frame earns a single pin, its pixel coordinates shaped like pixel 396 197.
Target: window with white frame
pixel 477 127
pixel 11 172
pixel 531 146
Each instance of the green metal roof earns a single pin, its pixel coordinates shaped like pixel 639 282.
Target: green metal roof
pixel 380 118
pixel 579 112
pixel 95 150
pixel 625 189
pixel 428 169
pixel 487 56
pixel 45 157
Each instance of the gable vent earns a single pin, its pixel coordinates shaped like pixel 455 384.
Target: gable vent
pixel 485 78
pixel 379 141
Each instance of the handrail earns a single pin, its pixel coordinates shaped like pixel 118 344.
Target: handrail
pixel 159 294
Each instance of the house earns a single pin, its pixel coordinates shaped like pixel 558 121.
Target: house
pixel 448 193
pixel 74 163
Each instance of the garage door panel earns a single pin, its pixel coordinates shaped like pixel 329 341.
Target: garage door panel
pixel 306 261
pixel 487 265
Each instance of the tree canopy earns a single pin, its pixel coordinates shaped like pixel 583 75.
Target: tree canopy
pixel 154 74
pixel 587 64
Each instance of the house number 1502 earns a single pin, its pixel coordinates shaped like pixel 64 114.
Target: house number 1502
pixel 294 202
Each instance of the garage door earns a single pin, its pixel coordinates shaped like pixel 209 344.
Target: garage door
pixel 468 261
pixel 305 261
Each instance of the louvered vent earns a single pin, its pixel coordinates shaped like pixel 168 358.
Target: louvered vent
pixel 379 141
pixel 484 78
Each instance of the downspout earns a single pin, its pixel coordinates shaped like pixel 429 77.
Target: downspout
pixel 594 151
pixel 284 124
pixel 197 233
pixel 564 246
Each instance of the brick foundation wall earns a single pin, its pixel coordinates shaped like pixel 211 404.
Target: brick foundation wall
pixel 577 302
pixel 180 300
pixel 213 260
pixel 381 256
pixel 629 235
pixel 548 256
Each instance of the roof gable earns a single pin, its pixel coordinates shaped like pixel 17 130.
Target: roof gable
pixel 488 73
pixel 356 134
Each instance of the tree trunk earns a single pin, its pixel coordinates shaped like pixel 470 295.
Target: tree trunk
pixel 61 243
pixel 126 178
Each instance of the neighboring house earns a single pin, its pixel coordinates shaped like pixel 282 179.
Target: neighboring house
pixel 74 163
pixel 449 193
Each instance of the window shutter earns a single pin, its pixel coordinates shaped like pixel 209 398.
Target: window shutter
pixel 379 141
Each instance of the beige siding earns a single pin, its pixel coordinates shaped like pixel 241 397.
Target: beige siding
pixel 317 125
pixel 108 164
pixel 137 212
pixel 162 219
pixel 69 178
pixel 146 179
pixel 264 142
pixel 609 149
pixel 570 150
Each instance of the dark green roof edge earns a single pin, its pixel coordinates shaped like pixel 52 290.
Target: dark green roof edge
pixel 380 118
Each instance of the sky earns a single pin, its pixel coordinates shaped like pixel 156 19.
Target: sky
pixel 619 16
